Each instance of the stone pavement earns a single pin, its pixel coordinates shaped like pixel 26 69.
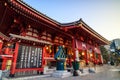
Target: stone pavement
pixel 103 73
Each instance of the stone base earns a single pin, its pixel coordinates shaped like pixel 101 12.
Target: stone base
pixel 79 73
pixel 61 74
pixel 45 69
pixel 0 74
pixel 76 73
pixel 5 73
pixel 92 70
pixel 84 72
pixel 49 70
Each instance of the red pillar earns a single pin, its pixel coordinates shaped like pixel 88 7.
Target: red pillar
pixel 4 64
pixel 100 60
pixel 86 57
pixel 43 55
pixel 7 50
pixel 3 67
pixel 94 57
pixel 14 61
pixel 73 46
pixel 1 46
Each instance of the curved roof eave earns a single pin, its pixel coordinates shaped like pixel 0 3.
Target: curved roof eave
pixel 87 28
pixel 57 23
pixel 22 3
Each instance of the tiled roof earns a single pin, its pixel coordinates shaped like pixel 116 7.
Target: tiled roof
pixel 80 21
pixel 71 23
pixel 30 7
pixel 57 23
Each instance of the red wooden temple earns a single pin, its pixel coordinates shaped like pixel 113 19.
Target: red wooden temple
pixel 29 39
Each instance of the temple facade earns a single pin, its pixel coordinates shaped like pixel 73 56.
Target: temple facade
pixel 29 40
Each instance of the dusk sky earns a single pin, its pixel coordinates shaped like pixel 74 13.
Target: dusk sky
pixel 101 15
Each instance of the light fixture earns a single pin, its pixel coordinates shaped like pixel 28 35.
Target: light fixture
pixel 3 38
pixel 5 4
pixel 0 41
pixel 50 50
pixel 15 20
pixel 63 46
pixel 47 48
pixel 33 43
pixel 66 59
pixel 83 53
pixel 71 53
pixel 29 26
pixel 95 48
pixel 8 44
pixel 72 60
pixel 19 41
pixel 91 55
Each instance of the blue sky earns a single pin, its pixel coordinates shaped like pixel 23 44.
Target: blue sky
pixel 101 15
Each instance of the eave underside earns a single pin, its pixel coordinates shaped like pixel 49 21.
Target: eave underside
pixel 78 32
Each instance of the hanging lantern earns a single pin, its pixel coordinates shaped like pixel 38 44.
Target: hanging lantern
pixel 66 59
pixel 63 46
pixel 72 60
pixel 33 43
pixel 29 26
pixel 50 51
pixel 1 41
pixel 8 44
pixel 91 55
pixel 72 54
pixel 15 21
pixel 83 53
pixel 19 41
pixel 5 4
pixel 47 48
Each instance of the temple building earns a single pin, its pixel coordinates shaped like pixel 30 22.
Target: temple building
pixel 29 40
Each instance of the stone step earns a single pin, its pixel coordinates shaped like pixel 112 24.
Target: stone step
pixel 61 74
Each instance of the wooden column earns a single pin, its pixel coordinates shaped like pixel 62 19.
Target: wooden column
pixel 99 57
pixel 43 55
pixel 94 57
pixel 14 61
pixel 3 67
pixel 4 64
pixel 1 44
pixel 73 46
pixel 86 57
